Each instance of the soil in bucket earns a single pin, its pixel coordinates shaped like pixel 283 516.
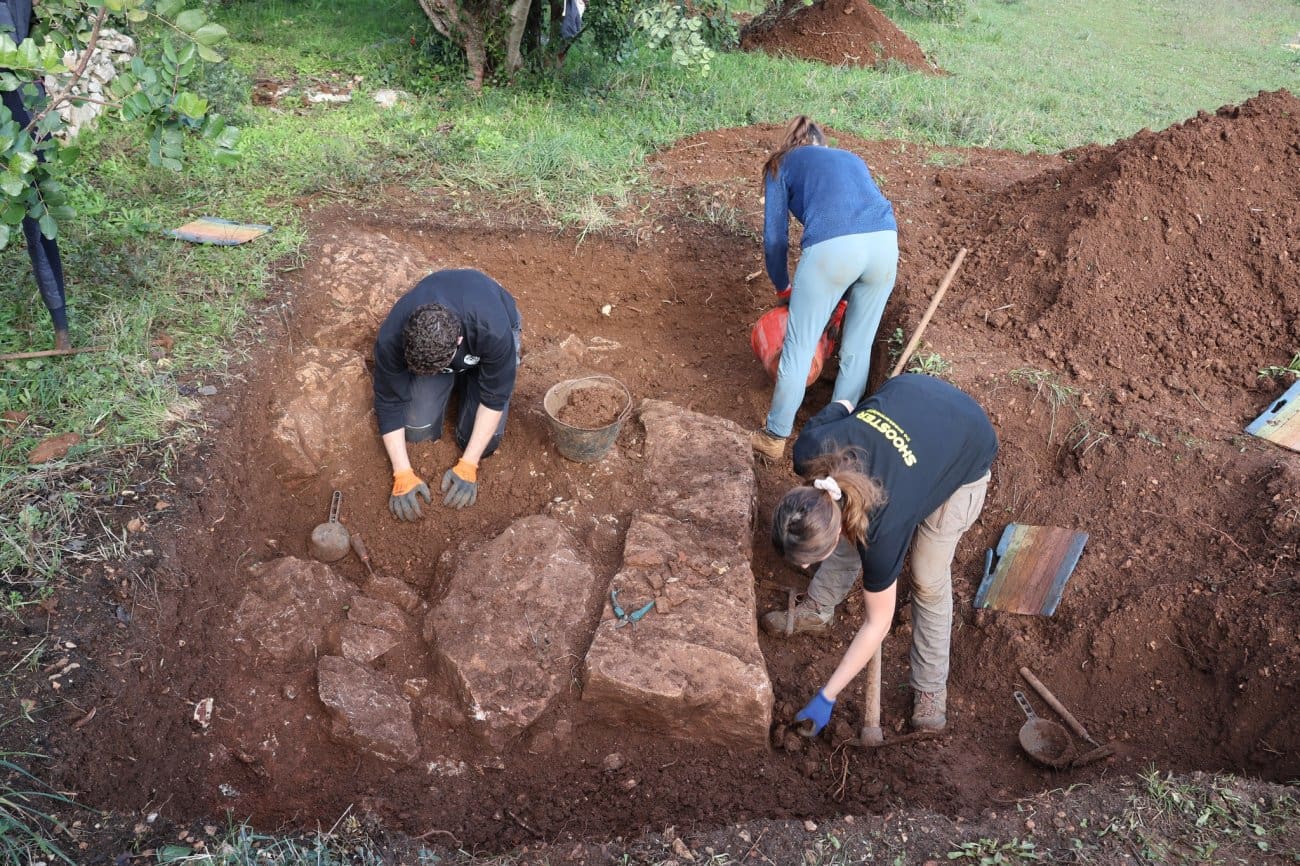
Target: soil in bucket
pixel 592 408
pixel 586 415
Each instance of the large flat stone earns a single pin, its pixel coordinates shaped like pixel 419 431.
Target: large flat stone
pixel 692 668
pixel 327 385
pixel 699 469
pixel 515 616
pixel 369 712
pixel 366 272
pixel 289 608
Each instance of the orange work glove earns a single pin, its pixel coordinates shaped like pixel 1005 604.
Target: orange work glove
pixel 460 483
pixel 405 499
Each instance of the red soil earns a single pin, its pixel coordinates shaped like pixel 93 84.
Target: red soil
pixel 838 32
pixel 1175 637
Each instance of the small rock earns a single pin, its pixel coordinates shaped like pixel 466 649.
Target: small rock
pixel 627 784
pixel 607 310
pixel 208 391
pixel 136 525
pixel 681 850
pixel 613 762
pixel 810 826
pixel 388 98
pixel 161 505
pixel 289 692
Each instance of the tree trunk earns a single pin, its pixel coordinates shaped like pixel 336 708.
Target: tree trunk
pixel 518 21
pixel 475 55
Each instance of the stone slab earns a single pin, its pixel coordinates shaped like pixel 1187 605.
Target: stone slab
pixel 369 712
pixel 362 643
pixel 692 668
pixel 699 468
pixel 327 385
pixel 515 616
pixel 289 608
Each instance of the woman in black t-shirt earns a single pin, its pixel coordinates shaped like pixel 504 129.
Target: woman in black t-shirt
pixel 911 460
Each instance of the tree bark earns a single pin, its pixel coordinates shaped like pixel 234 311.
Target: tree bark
pixel 463 27
pixel 518 22
pixel 475 55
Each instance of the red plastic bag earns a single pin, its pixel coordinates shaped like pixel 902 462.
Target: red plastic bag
pixel 769 334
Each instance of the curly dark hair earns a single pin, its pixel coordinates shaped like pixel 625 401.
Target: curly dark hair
pixel 429 339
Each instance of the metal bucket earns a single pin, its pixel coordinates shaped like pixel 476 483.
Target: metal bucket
pixel 584 445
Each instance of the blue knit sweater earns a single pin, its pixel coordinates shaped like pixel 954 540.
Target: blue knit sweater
pixel 830 192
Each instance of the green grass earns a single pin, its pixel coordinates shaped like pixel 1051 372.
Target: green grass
pixel 27 827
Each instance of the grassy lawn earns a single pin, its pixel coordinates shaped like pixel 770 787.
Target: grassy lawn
pixel 1024 74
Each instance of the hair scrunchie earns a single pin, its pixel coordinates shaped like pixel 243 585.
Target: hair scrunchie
pixel 830 486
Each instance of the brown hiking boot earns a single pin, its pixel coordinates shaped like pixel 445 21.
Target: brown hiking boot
pixel 767 446
pixel 808 619
pixel 929 711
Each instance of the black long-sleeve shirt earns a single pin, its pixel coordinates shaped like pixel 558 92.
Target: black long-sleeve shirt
pixel 921 439
pixel 488 318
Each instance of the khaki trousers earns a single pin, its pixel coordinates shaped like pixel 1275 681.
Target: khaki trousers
pixel 933 550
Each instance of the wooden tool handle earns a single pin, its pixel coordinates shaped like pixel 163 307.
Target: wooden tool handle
pixel 925 320
pixel 359 547
pixel 1046 694
pixel 50 353
pixel 871 734
pixel 872 693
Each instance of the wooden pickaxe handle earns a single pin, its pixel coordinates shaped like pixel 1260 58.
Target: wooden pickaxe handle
pixel 925 320
pixel 871 734
pixel 1046 694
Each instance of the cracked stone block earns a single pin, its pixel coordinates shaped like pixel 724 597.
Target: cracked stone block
pixel 699 468
pixel 692 668
pixel 515 616
pixel 364 644
pixel 377 613
pixel 368 711
pixel 392 590
pixel 288 609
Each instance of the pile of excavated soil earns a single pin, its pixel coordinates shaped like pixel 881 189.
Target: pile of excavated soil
pixel 1161 272
pixel 1175 637
pixel 592 408
pixel 838 32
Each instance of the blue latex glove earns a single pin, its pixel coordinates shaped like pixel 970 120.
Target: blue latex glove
pixel 818 712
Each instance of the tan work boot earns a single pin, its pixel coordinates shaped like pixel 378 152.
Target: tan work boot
pixel 929 711
pixel 808 619
pixel 767 446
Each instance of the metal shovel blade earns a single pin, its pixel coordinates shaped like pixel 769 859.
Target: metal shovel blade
pixel 1044 741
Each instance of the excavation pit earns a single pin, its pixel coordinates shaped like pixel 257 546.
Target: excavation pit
pixel 333 688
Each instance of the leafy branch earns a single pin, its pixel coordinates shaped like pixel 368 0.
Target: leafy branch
pixel 151 93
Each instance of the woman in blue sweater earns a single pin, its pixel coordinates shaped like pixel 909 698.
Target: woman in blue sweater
pixel 850 248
